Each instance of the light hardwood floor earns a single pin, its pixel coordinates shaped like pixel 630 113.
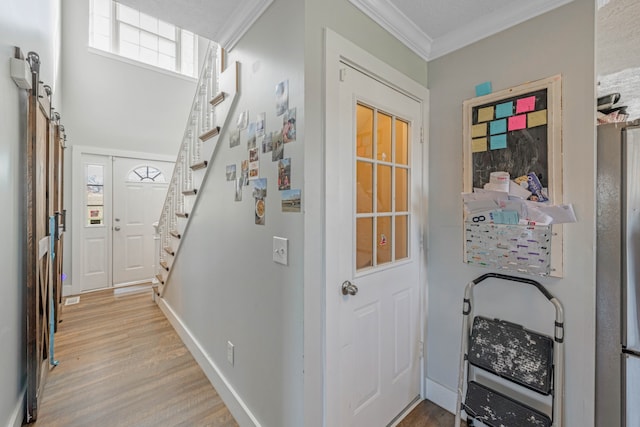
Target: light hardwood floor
pixel 122 364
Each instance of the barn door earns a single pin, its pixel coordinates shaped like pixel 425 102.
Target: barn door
pixel 59 214
pixel 40 197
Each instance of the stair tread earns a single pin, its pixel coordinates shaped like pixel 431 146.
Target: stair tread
pixel 200 165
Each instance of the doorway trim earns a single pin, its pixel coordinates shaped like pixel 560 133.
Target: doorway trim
pixel 73 285
pixel 336 50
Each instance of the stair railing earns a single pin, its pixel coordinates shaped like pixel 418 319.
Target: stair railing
pixel 216 93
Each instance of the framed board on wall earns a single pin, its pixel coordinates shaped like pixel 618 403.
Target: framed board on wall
pixel 517 130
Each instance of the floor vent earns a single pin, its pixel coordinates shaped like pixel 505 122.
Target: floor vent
pixel 72 300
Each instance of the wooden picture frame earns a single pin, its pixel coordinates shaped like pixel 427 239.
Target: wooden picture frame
pixel 517 130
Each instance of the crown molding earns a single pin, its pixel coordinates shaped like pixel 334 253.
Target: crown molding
pixel 240 21
pixel 489 25
pixel 389 17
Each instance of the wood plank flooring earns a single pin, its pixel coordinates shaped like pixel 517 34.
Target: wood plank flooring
pixel 122 364
pixel 428 414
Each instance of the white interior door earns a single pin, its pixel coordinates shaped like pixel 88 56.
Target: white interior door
pixel 373 253
pixel 96 222
pixel 140 187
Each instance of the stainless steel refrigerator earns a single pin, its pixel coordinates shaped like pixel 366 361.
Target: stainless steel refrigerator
pixel 618 276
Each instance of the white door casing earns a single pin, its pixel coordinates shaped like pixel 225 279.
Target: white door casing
pixel 83 258
pixel 139 190
pixel 373 339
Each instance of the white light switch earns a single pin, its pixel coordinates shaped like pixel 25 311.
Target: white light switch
pixel 280 250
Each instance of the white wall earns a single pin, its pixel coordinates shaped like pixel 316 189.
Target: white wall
pixel 32 25
pixel 558 42
pixel 224 284
pixel 115 105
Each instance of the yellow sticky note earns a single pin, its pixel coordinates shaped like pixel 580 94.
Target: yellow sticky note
pixel 485 114
pixel 537 118
pixel 478 145
pixel 478 130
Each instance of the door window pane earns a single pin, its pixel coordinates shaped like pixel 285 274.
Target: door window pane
pixel 364 129
pixel 402 186
pixel 384 138
pixel 364 187
pixel 402 237
pixel 402 142
pixel 384 188
pixel 364 243
pixel 384 240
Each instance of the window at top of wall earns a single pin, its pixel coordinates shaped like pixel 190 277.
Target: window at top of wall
pixel 126 32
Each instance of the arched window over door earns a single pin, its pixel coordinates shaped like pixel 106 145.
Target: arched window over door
pixel 146 174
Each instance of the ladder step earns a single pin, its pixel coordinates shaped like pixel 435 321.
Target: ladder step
pixel 200 165
pixel 210 133
pixel 192 192
pixel 182 214
pixel 169 251
pixel 175 234
pixel 217 99
pixel 160 278
pixel 164 265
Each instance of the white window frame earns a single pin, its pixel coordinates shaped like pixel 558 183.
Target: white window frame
pixel 114 48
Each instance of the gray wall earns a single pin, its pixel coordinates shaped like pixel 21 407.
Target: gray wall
pixel 224 284
pixel 33 26
pixel 559 42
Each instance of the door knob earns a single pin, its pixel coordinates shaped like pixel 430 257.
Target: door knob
pixel 116 228
pixel 349 288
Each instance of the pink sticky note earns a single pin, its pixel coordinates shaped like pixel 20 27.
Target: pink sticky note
pixel 517 122
pixel 525 104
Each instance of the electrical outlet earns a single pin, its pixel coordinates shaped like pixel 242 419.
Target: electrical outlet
pixel 230 352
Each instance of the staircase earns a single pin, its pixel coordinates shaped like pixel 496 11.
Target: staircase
pixel 215 96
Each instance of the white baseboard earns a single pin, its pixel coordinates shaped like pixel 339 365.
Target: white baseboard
pixel 17 416
pixel 230 397
pixel 441 396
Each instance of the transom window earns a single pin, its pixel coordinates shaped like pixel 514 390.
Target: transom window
pixel 126 32
pixel 146 174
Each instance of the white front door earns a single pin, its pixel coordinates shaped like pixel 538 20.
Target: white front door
pixel 373 239
pixel 140 187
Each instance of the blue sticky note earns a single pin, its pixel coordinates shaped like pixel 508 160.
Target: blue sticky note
pixel 504 110
pixel 483 89
pixel 498 126
pixel 498 141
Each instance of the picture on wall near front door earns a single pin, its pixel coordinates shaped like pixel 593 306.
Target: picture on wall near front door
pixel 243 120
pixel 260 211
pixel 238 197
pixel 266 143
pixel 260 122
pixel 284 174
pixel 291 200
pixel 234 138
pixel 231 172
pixel 260 188
pixel 277 144
pixel 289 126
pixel 282 97
pixel 245 172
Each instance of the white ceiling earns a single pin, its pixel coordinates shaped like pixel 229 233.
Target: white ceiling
pixel 431 28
